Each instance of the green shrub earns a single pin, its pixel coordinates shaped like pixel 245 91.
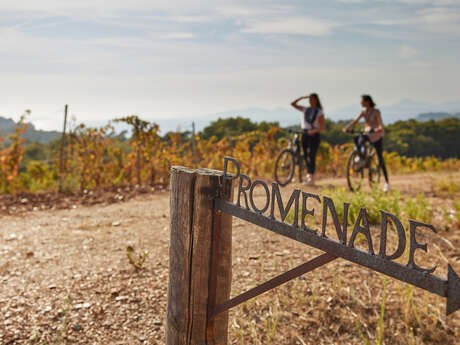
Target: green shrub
pixel 374 201
pixel 38 176
pixel 418 209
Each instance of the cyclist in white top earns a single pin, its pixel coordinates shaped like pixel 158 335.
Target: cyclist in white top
pixel 313 123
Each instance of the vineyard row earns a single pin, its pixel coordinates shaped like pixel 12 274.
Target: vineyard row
pixel 94 159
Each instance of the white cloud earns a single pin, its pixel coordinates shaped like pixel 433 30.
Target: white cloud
pixel 59 5
pixel 434 20
pixel 190 18
pixel 352 1
pixel 440 20
pixel 292 25
pixel 178 36
pixel 430 2
pixel 408 52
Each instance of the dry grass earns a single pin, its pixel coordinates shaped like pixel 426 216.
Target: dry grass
pixel 338 304
pixel 449 186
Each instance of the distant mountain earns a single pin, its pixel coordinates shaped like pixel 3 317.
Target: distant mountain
pixel 286 116
pixel 404 110
pixel 7 126
pixel 435 116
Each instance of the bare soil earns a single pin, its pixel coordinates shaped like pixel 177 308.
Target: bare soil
pixel 25 201
pixel 65 278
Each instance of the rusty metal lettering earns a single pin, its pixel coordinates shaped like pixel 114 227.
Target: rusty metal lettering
pixel 237 166
pixel 442 287
pixel 267 195
pixel 294 199
pixel 243 189
pixel 453 291
pixel 383 236
pixel 341 231
pixel 383 262
pixel 307 212
pixel 414 245
pixel 363 230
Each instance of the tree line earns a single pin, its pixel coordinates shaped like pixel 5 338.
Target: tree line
pixel 410 138
pixel 90 158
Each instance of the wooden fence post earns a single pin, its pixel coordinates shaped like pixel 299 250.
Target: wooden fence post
pixel 193 238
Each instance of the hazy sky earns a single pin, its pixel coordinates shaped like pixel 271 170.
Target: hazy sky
pixel 186 58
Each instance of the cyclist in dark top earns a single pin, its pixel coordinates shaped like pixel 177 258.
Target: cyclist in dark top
pixel 313 124
pixel 374 126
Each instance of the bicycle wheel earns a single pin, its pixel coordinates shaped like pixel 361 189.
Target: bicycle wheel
pixel 374 168
pixel 355 171
pixel 300 164
pixel 284 167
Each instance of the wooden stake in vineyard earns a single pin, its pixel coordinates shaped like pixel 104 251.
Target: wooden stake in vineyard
pixel 61 156
pixel 195 154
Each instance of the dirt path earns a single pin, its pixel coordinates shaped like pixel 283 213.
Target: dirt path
pixel 65 279
pixel 70 266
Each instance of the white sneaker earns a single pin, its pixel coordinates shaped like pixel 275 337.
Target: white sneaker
pixel 307 180
pixel 386 187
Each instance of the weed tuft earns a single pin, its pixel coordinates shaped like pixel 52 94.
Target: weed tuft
pixel 136 262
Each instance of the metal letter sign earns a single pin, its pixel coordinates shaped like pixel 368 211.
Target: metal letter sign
pixel 380 261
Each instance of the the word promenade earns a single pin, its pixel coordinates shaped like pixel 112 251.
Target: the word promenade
pixel 341 243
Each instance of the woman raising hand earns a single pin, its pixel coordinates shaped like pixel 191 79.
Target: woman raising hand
pixel 313 124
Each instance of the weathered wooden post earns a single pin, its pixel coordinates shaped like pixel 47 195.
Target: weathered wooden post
pixel 200 258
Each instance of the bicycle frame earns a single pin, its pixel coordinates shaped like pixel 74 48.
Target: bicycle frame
pixel 362 145
pixel 294 144
pixel 296 147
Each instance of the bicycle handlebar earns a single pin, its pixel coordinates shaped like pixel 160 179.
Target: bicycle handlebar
pixel 295 131
pixel 360 132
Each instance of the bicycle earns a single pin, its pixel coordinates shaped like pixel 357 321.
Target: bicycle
pixel 287 160
pixel 362 158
